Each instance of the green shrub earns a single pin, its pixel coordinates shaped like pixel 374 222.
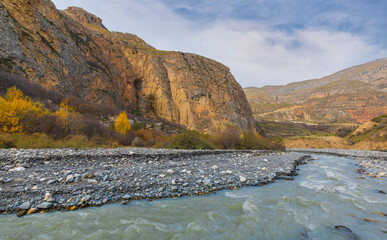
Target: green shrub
pixel 379 119
pixel 250 140
pixel 137 126
pixel 190 140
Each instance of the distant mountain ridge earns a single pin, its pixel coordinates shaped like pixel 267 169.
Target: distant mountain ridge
pixel 72 51
pixel 353 95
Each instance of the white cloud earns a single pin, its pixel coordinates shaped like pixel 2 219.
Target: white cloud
pixel 256 54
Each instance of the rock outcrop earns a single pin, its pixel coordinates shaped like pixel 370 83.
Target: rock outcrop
pixel 353 95
pixel 73 52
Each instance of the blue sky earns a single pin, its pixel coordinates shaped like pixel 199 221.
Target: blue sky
pixel 264 42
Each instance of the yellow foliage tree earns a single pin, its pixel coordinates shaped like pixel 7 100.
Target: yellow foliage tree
pixel 68 118
pixel 13 107
pixel 122 124
pixel 63 114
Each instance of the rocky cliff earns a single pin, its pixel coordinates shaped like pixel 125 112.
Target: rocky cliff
pixel 353 95
pixel 73 52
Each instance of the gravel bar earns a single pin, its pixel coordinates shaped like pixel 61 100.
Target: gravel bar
pixel 67 179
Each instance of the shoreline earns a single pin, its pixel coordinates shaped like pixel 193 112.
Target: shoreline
pixel 42 180
pixel 67 179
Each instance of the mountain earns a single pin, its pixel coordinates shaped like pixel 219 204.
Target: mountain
pixel 354 95
pixel 71 51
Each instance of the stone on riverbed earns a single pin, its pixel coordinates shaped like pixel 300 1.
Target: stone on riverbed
pixel 70 179
pixel 45 205
pixel 207 182
pixel 242 179
pixel 47 196
pixel 25 206
pixel 51 181
pixel 17 169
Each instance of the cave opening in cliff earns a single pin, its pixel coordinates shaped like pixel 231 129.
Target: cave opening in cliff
pixel 138 87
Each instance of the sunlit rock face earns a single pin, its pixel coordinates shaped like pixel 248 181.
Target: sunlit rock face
pixel 73 52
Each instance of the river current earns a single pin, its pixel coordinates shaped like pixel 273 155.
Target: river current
pixel 327 192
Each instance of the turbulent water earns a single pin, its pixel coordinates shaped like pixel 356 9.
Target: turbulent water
pixel 326 193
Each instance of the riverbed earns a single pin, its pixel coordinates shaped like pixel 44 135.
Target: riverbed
pixel 328 192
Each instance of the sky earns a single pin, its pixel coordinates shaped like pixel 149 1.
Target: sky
pixel 263 42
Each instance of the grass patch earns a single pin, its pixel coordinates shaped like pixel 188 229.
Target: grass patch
pixel 41 140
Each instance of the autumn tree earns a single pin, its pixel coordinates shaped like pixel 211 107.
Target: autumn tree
pixel 14 107
pixel 122 124
pixel 68 118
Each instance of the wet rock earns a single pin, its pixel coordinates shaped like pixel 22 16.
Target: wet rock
pixel 45 205
pixel 126 197
pixel 381 191
pixel 22 213
pixel 32 210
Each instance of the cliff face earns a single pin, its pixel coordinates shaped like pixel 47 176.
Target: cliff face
pixel 353 95
pixel 74 53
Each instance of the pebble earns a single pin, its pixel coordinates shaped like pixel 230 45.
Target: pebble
pixel 45 205
pixel 242 179
pixel 47 196
pixel 51 181
pixel 32 210
pixel 207 182
pixel 92 181
pixel 126 197
pixel 17 169
pixel 69 179
pixel 25 206
pixel 86 198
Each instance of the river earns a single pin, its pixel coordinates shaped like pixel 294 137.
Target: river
pixel 326 193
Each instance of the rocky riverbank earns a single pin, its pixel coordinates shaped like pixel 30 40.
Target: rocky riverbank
pixel 67 179
pixel 370 163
